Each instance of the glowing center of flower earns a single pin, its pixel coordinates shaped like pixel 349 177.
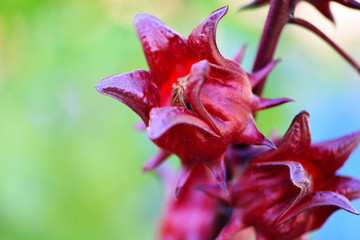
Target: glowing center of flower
pixel 178 94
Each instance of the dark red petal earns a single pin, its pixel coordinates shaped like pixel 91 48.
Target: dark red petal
pixel 298 135
pixel 197 78
pixel 298 177
pixel 202 40
pixel 347 186
pixel 320 199
pixel 157 159
pixel 137 89
pixel 264 103
pixel 164 118
pixel 331 155
pixel 166 51
pixel 296 140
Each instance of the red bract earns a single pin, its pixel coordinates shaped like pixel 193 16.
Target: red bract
pixel 194 102
pixel 286 193
pixel 194 215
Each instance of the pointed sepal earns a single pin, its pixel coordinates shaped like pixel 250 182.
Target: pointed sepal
pixel 156 160
pixel 257 76
pixel 202 39
pixel 166 51
pixel 264 103
pixel 239 56
pixel 137 89
pixel 347 186
pixel 331 155
pixel 319 199
pixel 296 140
pixel 251 135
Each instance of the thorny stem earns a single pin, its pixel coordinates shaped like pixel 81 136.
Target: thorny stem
pixel 277 17
pixel 315 30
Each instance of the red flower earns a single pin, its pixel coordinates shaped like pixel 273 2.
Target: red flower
pixel 194 215
pixel 286 193
pixel 194 102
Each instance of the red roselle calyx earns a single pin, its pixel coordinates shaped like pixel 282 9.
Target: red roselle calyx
pixel 199 105
pixel 194 215
pixel 194 102
pixel 286 193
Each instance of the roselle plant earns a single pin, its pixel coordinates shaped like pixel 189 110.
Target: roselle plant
pixel 234 183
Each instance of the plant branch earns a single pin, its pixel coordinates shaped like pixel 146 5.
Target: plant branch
pixel 315 30
pixel 277 18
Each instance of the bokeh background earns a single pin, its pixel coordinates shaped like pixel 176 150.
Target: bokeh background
pixel 70 159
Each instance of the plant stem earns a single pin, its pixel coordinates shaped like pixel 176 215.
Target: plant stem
pixel 315 30
pixel 275 22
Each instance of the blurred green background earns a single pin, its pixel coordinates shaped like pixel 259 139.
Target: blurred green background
pixel 70 159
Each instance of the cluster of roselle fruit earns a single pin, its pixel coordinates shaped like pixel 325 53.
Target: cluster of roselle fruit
pixel 234 183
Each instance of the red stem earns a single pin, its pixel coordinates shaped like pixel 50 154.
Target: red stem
pixel 277 17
